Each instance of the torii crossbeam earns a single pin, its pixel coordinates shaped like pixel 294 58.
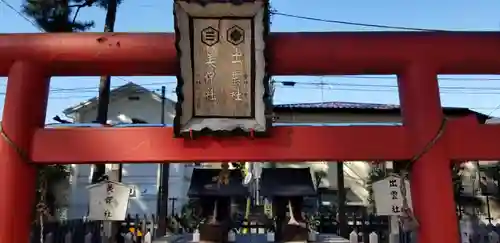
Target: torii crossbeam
pixel 29 60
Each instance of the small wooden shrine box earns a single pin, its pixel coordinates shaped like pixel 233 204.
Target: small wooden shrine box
pixel 288 187
pixel 216 198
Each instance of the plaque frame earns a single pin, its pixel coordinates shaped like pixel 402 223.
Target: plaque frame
pixel 186 125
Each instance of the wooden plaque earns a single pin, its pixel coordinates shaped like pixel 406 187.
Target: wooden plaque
pixel 223 85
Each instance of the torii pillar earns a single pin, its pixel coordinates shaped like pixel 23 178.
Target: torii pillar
pixel 431 187
pixel 24 112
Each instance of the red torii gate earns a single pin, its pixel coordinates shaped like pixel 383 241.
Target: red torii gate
pixel 417 57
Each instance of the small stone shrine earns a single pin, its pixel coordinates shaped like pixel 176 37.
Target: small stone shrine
pixel 287 188
pixel 223 84
pixel 216 202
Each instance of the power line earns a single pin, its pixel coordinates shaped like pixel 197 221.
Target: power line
pixel 316 85
pixel 493 110
pixel 279 100
pixel 20 14
pixel 293 83
pixel 393 77
pixel 351 89
pixel 356 23
pixel 461 89
pixel 304 18
pixel 78 89
pixel 381 27
pixel 392 88
pixel 335 88
pixel 385 90
pixel 331 83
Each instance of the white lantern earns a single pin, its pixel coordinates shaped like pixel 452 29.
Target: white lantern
pixel 108 201
pixel 313 236
pixel 231 236
pixel 270 236
pixel 196 236
pixel 388 196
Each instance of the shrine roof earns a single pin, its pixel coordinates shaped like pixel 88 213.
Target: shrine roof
pixel 287 182
pixel 203 185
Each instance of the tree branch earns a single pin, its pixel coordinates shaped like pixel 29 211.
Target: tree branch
pixel 87 3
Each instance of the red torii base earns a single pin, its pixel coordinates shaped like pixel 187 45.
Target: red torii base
pixel 30 59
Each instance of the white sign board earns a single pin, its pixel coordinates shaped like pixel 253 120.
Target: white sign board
pixel 388 196
pixel 108 201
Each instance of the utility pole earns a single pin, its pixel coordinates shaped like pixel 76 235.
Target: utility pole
pixel 342 198
pixel 104 93
pixel 102 118
pixel 162 203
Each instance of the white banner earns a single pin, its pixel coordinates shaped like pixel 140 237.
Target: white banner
pixel 388 196
pixel 108 201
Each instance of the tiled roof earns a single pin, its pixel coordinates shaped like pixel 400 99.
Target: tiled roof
pixel 340 105
pixel 286 182
pixel 202 184
pixel 367 108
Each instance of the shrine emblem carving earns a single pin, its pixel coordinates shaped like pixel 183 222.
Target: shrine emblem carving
pixel 223 85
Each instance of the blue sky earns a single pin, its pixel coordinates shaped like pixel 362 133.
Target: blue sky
pixel 481 93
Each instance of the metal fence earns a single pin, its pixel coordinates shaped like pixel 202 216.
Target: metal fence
pixel 364 227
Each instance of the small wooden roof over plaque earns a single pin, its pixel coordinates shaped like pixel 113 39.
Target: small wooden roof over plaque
pixel 287 182
pixel 203 185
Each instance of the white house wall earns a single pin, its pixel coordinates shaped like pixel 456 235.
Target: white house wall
pixel 143 176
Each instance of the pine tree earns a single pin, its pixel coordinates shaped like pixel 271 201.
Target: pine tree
pixel 56 16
